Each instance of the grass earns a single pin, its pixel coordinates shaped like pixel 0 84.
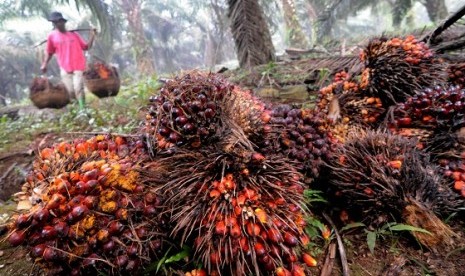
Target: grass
pixel 120 114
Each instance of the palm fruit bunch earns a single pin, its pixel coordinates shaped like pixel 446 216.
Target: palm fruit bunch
pixel 239 211
pixel 433 108
pixel 240 215
pixel 456 73
pixel 361 110
pixel 91 211
pixel 448 151
pixel 250 113
pixel 188 111
pixel 380 174
pixel 299 134
pixel 38 84
pixel 99 70
pixel 395 68
pixel 341 84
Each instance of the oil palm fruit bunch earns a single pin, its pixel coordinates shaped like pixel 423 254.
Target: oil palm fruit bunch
pixel 299 134
pixel 358 109
pixel 240 211
pixel 447 149
pixel 342 84
pixel 433 108
pixel 38 84
pixel 91 210
pixel 250 113
pixel 378 174
pixel 188 111
pixel 396 67
pixel 456 73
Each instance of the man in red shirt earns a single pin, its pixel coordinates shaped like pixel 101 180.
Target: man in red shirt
pixel 68 47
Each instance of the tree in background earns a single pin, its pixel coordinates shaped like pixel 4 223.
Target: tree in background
pixel 436 9
pixel 294 32
pixel 143 54
pixel 251 33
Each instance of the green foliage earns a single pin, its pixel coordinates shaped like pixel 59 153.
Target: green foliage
pixel 387 229
pixel 120 114
pixel 312 196
pixel 167 259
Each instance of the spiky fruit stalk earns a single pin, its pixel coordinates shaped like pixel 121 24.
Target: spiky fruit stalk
pixel 92 211
pixel 241 214
pixel 381 173
pixel 395 68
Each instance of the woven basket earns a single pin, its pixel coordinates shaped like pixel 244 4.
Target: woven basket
pixel 51 97
pixel 104 87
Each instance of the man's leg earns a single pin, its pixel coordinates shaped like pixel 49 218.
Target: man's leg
pixel 78 82
pixel 67 80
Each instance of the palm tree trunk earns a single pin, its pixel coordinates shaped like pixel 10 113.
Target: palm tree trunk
pixel 143 52
pixel 295 34
pixel 400 9
pixel 437 10
pixel 251 33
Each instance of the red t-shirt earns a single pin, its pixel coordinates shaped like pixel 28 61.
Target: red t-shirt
pixel 68 48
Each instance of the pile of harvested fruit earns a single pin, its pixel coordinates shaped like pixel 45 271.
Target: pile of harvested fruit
pixel 99 70
pixel 91 210
pixel 217 170
pixel 213 168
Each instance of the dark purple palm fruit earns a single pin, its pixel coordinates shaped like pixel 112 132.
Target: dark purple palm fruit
pixel 93 213
pixel 380 175
pixel 396 68
pixel 433 108
pixel 299 134
pixel 456 71
pixel 189 110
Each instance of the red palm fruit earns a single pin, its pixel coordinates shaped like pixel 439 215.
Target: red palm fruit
pixel 244 244
pixel 61 228
pixel 142 232
pixel 259 249
pixel 132 250
pixel 38 250
pixel 90 175
pixel 297 270
pixel 325 232
pixel 220 228
pixel 109 246
pixel 290 239
pixel 253 229
pixel 309 260
pixel 215 258
pixel 17 238
pixel 275 236
pixel 90 201
pixel 50 254
pixel 23 220
pixel 41 215
pixel 235 231
pixel 281 271
pixel 48 232
pixel 79 212
pixel 275 251
pixel 121 261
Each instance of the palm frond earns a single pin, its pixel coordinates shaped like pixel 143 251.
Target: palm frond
pixel 449 35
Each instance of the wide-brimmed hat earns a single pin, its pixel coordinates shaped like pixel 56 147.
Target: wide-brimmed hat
pixel 56 16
